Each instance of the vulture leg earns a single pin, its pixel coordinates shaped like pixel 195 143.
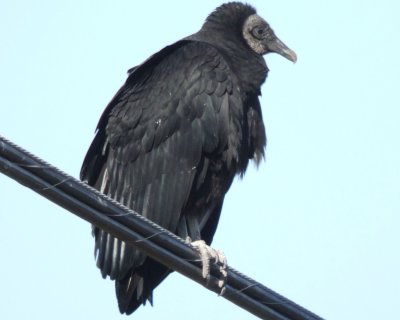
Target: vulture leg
pixel 209 255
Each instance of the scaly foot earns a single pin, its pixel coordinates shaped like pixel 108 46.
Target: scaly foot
pixel 217 256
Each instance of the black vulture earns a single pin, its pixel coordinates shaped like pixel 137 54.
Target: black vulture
pixel 170 142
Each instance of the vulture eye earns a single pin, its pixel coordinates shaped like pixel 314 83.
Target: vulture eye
pixel 259 32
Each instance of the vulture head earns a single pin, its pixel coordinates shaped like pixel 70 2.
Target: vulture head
pixel 262 39
pixel 236 22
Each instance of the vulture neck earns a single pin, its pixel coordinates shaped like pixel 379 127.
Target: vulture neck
pixel 249 67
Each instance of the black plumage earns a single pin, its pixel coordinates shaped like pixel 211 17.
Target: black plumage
pixel 170 142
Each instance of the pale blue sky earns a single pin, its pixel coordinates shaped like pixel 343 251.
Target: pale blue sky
pixel 318 221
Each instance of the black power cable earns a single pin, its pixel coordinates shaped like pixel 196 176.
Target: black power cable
pixel 158 243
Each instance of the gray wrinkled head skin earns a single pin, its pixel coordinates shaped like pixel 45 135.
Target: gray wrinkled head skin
pixel 256 29
pixel 262 39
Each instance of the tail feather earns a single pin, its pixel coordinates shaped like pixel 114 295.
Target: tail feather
pixel 137 287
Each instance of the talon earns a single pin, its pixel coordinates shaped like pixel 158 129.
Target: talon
pixel 188 240
pixel 206 254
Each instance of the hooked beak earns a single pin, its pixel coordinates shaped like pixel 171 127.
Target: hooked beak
pixel 279 47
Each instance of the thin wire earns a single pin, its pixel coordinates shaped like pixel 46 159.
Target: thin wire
pixel 158 243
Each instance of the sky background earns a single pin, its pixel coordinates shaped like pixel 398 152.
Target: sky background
pixel 318 221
